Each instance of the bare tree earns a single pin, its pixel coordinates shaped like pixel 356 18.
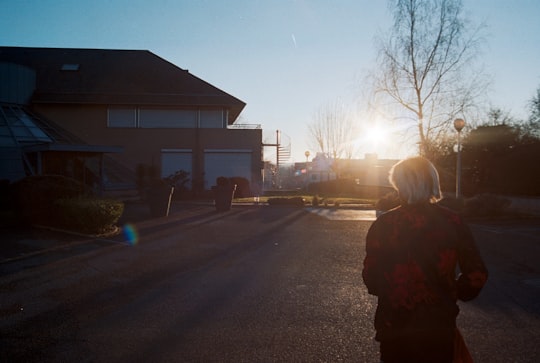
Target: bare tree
pixel 425 65
pixel 534 108
pixel 497 116
pixel 332 131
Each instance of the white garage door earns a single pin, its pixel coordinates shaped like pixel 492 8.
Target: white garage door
pixel 173 160
pixel 227 163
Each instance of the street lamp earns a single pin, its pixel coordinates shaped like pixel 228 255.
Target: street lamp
pixel 307 156
pixel 459 124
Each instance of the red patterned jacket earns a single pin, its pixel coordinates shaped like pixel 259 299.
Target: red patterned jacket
pixel 412 253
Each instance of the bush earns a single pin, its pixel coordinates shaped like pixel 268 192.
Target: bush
pixel 222 181
pixel 348 187
pixel 243 189
pixel 34 196
pixel 88 215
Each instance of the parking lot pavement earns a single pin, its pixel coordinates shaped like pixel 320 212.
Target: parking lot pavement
pixel 21 243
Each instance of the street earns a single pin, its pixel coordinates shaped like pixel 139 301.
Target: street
pixel 256 284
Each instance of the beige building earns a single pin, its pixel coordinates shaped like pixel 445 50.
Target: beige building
pixel 102 115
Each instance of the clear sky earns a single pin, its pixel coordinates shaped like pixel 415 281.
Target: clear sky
pixel 285 58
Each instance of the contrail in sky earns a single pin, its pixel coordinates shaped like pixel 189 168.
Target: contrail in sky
pixel 294 40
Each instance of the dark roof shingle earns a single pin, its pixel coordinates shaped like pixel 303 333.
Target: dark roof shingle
pixel 116 77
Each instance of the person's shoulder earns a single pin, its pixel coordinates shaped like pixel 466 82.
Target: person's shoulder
pixel 448 213
pixel 391 212
pixel 389 217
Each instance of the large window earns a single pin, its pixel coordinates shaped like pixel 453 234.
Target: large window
pixel 174 160
pixel 134 117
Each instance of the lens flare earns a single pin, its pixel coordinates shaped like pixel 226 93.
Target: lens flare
pixel 130 234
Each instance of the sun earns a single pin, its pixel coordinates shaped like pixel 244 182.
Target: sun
pixel 373 139
pixel 376 135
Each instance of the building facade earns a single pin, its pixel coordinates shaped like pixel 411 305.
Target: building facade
pixel 133 109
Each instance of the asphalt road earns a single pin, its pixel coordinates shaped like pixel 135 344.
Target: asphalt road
pixel 256 284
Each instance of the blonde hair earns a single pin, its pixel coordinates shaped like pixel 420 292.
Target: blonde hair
pixel 416 180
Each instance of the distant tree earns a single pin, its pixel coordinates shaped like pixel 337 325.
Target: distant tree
pixel 497 116
pixel 424 65
pixel 531 129
pixel 500 159
pixel 332 131
pixel 443 147
pixel 482 148
pixel 534 107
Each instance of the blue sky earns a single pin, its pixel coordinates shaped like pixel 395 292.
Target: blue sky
pixel 285 58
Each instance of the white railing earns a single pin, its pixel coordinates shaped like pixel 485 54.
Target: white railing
pixel 245 126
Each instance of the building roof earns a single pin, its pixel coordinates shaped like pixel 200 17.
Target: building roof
pixel 103 76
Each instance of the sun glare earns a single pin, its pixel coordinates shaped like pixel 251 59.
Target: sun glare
pixel 374 139
pixel 376 135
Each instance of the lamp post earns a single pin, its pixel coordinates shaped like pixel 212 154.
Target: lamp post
pixel 459 124
pixel 306 177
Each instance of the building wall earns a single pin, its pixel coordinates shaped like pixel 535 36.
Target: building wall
pixel 144 145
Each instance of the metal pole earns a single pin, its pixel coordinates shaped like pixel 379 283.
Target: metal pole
pixel 278 177
pixel 458 167
pixel 459 124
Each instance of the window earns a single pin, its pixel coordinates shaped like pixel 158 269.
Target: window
pixel 211 119
pixel 155 118
pixel 17 127
pixel 122 117
pixel 134 117
pixel 173 160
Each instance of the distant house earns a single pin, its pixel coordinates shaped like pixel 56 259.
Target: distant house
pixel 368 172
pixel 106 115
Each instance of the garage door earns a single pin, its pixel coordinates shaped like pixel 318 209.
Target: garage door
pixel 227 163
pixel 173 160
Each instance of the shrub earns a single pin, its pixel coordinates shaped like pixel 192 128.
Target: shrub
pixel 178 180
pixel 222 181
pixel 88 215
pixel 148 178
pixel 348 187
pixel 243 189
pixel 34 196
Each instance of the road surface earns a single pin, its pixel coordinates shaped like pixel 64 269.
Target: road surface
pixel 256 284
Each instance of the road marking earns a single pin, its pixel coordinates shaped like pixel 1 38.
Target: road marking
pixel 339 214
